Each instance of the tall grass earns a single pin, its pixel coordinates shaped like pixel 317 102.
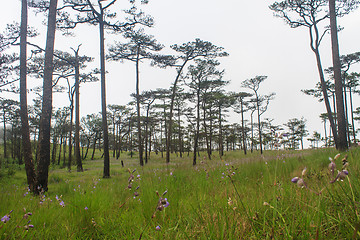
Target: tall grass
pixel 235 197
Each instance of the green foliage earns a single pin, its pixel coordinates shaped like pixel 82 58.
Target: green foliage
pixel 235 197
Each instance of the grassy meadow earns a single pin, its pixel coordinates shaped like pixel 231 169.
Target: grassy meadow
pixel 236 197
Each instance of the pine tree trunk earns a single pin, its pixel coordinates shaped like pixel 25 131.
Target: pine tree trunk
pixel 106 173
pixel 342 143
pixel 45 120
pixel 140 144
pixel 77 114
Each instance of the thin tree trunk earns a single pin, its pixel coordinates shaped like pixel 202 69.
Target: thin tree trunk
pixel 206 132
pixel 4 137
pixel 54 148
pixel 221 147
pixel 342 143
pixel 252 131
pixel 61 143
pixel 77 113
pixel 196 140
pixel 169 132
pixel 103 99
pixel 140 144
pixel 325 134
pixel 94 146
pixel 181 149
pixel 243 127
pixel 259 125
pixel 64 152
pixel 70 132
pixel 352 117
pixel 314 44
pixel 346 114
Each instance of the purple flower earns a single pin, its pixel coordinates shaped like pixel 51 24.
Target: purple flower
pixel 62 204
pixel 299 181
pixel 295 179
pixel 341 176
pixel 26 215
pixel 86 208
pixel 166 203
pixel 158 228
pixel 171 173
pixel 5 218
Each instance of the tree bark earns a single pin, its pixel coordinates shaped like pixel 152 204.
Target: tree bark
pixel 45 120
pixel 315 48
pixel 77 113
pixel 103 100
pixel 71 131
pixel 140 144
pixel 342 143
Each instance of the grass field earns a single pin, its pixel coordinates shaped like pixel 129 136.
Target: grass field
pixel 236 197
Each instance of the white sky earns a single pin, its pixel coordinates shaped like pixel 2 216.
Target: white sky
pixel 258 44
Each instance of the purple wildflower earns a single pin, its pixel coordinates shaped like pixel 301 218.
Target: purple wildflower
pixel 62 204
pixel 26 215
pixel 28 226
pixel 158 228
pixel 341 176
pixel 166 203
pixel 299 181
pixel 295 179
pixel 5 218
pixel 86 208
pixel 332 166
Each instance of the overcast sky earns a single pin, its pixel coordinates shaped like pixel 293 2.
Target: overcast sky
pixel 257 43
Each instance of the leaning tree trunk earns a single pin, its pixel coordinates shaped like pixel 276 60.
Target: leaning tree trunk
pixel 169 132
pixel 45 120
pixel 342 143
pixel 315 48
